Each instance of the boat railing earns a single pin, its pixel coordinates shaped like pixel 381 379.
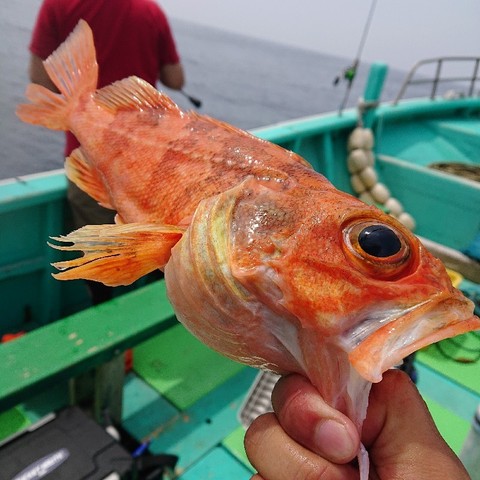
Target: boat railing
pixel 439 76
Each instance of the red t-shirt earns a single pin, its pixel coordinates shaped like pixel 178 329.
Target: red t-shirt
pixel 132 37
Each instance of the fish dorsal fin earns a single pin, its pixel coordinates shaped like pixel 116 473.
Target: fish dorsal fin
pixel 79 170
pixel 133 93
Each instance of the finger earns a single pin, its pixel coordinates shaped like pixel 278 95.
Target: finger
pixel 401 436
pixel 276 456
pixel 305 416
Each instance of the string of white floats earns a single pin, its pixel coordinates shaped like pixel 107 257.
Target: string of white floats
pixel 364 178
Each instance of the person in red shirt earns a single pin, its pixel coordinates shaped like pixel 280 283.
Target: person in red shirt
pixel 132 37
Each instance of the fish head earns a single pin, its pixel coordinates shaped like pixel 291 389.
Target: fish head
pixel 295 276
pixel 349 275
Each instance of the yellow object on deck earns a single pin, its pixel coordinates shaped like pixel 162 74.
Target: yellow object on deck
pixel 455 277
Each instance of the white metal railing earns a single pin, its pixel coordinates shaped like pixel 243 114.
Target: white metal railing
pixel 439 76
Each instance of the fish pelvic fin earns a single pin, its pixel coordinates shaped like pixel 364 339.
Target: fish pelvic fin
pixel 73 69
pixel 133 93
pixel 80 171
pixel 116 254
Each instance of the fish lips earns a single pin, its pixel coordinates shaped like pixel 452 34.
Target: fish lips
pixel 374 345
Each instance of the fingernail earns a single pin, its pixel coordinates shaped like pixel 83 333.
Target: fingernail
pixel 333 440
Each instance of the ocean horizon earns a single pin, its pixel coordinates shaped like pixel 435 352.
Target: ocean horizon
pixel 244 81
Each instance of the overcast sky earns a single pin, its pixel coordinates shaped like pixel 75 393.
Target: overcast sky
pixel 402 31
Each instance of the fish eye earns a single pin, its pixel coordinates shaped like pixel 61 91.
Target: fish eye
pixel 379 249
pixel 379 241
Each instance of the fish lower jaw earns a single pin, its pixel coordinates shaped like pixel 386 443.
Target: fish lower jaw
pixel 371 361
pixel 363 332
pixel 374 349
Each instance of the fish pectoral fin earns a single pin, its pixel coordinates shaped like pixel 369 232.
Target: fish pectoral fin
pixel 116 254
pixel 79 170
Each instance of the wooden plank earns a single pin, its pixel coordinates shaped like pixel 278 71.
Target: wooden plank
pixel 136 395
pixel 217 465
pixel 206 423
pixel 181 367
pixel 29 190
pixel 144 410
pixel 80 342
pixel 49 400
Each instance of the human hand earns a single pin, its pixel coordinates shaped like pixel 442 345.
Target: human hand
pixel 307 439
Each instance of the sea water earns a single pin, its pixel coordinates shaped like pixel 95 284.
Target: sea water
pixel 244 81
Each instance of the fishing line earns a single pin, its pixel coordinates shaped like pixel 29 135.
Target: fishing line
pixel 366 30
pixel 350 72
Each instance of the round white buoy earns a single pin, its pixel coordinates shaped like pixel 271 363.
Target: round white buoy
pixel 357 160
pixel 364 178
pixel 365 197
pixel 357 184
pixel 407 220
pixel 380 193
pixel 369 177
pixel 370 158
pixel 394 206
pixel 360 138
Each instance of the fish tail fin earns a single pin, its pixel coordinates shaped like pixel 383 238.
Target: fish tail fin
pixel 73 69
pixel 116 254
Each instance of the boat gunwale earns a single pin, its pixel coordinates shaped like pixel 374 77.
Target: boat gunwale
pixel 305 127
pixel 38 188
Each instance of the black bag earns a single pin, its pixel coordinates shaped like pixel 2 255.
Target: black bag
pixel 70 446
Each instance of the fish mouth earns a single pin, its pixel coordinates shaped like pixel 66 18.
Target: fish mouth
pixel 375 345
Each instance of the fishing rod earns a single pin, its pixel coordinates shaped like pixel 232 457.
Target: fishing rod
pixel 195 101
pixel 350 72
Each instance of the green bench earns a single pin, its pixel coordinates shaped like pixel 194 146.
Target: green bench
pixel 92 340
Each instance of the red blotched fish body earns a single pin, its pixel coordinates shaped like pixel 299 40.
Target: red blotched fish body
pixel 265 261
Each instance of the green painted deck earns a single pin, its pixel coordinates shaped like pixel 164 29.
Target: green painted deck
pixel 165 362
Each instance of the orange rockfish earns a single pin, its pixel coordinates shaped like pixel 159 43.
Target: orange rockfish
pixel 265 261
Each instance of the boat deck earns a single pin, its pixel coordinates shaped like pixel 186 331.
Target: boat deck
pixel 182 398
pixel 196 396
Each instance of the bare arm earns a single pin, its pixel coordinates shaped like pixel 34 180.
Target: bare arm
pixel 172 76
pixel 38 73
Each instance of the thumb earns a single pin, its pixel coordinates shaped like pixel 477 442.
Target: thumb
pixel 401 436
